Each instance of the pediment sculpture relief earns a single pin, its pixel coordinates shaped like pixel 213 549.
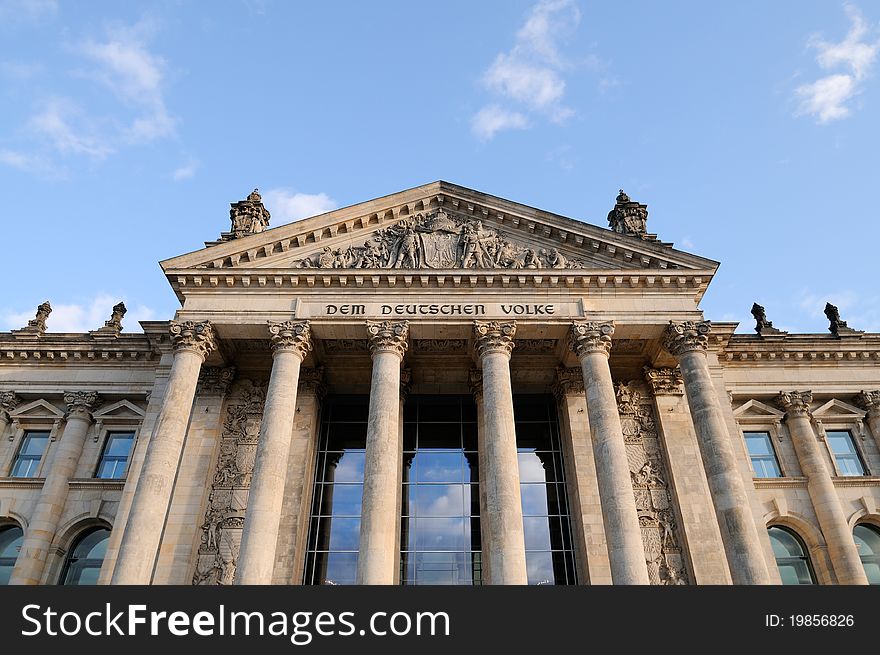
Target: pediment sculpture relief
pixel 439 241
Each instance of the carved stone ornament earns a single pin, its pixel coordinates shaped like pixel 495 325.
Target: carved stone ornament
pixel 405 383
pixel 664 556
pixel 568 382
pixel 81 404
pixel 664 381
pixel 475 383
pixel 867 400
pixel 196 337
pixel 494 337
pixel 794 403
pixel 687 336
pixel 215 380
pixel 37 325
pixel 440 346
pixel 114 324
pixel 9 401
pixel 628 217
pixel 293 336
pixel 439 240
pixel 836 325
pixel 762 325
pixel 586 337
pixel 388 336
pixel 247 216
pixel 311 380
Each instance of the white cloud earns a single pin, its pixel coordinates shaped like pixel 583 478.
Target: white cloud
pixel 530 73
pixel 827 97
pixel 23 161
pixel 286 205
pixel 80 317
pixel 68 129
pixel 26 11
pixel 186 171
pixel 494 118
pixel 861 312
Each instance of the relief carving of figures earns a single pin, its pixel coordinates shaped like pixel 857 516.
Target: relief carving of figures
pixel 227 501
pixel 247 216
pixel 663 552
pixel 439 241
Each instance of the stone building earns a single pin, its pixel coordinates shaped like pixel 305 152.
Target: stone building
pixel 439 386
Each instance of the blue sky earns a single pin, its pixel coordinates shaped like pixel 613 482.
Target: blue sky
pixel 750 129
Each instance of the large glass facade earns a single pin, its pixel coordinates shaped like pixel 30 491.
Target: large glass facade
pixel 440 514
pixel 549 552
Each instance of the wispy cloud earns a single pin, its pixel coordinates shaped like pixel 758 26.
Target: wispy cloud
pixel 530 75
pixel 186 171
pixel 287 205
pixel 860 311
pixel 827 98
pixel 14 12
pixel 79 317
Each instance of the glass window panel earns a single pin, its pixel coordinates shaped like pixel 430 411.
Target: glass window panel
pixel 342 499
pixel 867 539
pixel 10 544
pixel 469 410
pixel 535 436
pixel 345 467
pixel 84 561
pixel 409 437
pixel 758 443
pixel 469 436
pixel 34 443
pixel 531 467
pixel 534 499
pixel 439 568
pixel 471 471
pixel 537 532
pixel 530 408
pixel 440 409
pixel 119 443
pixel 439 534
pixel 335 568
pixel 791 558
pixel 346 436
pixel 437 467
pixel 344 533
pixel 849 465
pixel 347 409
pixel 539 566
pixel 439 435
pixel 438 500
pixel 840 442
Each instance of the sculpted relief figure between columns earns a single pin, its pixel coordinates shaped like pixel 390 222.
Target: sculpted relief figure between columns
pixel 441 241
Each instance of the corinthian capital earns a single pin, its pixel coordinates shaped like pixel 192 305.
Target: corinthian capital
pixel 794 403
pixel 494 337
pixel 664 381
pixel 587 337
pixel 291 336
pixel 388 336
pixel 869 400
pixel 687 336
pixel 197 337
pixel 568 382
pixel 80 404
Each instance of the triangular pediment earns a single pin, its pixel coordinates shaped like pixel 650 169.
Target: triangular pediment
pixel 122 410
pixel 757 409
pixel 439 226
pixel 837 408
pixel 37 409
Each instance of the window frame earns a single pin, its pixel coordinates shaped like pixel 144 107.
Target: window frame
pixel 7 526
pixel 104 436
pixel 855 444
pixel 16 453
pixel 874 528
pixel 773 450
pixel 806 557
pixel 81 536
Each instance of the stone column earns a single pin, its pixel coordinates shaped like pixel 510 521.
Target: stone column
pixel 59 469
pixel 870 402
pixel 702 535
pixel 9 400
pixel 378 550
pixel 591 342
pixel 192 342
pixel 505 552
pixel 826 503
pixel 475 382
pixel 291 342
pixel 688 341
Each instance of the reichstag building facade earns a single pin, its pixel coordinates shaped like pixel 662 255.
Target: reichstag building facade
pixel 439 386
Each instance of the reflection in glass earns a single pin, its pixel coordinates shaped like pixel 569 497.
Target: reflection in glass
pixel 85 559
pixel 868 543
pixel 10 543
pixel 27 463
pixel 763 456
pixel 791 557
pixel 847 457
pixel 549 552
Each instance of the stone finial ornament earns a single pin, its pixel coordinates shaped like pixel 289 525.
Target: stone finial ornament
pixel 762 325
pixel 836 325
pixel 37 325
pixel 629 217
pixel 114 325
pixel 248 216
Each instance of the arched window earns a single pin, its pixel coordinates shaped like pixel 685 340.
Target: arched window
pixel 791 557
pixel 85 558
pixel 10 542
pixel 868 542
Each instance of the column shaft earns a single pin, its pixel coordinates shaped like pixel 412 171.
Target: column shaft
pixel 826 503
pixel 378 550
pixel 290 343
pixel 688 341
pixel 505 552
pixel 140 543
pixel 626 551
pixel 50 505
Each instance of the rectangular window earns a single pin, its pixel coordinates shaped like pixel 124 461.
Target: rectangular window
pixel 33 445
pixel 114 459
pixel 845 454
pixel 764 462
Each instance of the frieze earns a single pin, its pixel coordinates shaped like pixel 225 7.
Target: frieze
pixel 439 346
pixel 441 308
pixel 438 240
pixel 647 468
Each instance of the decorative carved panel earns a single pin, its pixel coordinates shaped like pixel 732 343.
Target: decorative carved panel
pixel 224 517
pixel 649 473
